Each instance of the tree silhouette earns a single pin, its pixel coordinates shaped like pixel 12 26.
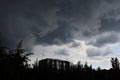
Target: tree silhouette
pixel 21 56
pixel 3 56
pixel 79 66
pixel 98 69
pixel 17 58
pixel 115 63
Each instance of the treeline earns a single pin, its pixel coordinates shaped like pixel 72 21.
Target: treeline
pixel 14 65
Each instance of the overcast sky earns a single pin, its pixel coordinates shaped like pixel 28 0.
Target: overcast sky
pixel 85 30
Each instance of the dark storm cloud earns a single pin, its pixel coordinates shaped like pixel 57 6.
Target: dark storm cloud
pixel 26 20
pixel 62 52
pixel 57 36
pixel 95 52
pixel 105 39
pixel 54 21
pixel 110 23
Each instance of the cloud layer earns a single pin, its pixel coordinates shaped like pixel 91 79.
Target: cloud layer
pixel 105 39
pixel 62 52
pixel 49 22
pixel 96 52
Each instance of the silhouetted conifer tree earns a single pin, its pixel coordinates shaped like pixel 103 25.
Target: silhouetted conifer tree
pixel 21 56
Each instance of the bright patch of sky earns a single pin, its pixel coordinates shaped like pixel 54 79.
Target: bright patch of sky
pixel 74 54
pixel 116 51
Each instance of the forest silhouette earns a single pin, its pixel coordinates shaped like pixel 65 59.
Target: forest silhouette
pixel 14 65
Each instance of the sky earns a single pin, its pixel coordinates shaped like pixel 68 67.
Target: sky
pixel 73 30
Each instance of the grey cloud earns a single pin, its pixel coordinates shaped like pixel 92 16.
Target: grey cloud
pixel 105 39
pixel 92 52
pixel 58 36
pixel 107 51
pixel 62 52
pixel 25 20
pixel 54 21
pixel 109 24
pixel 95 52
pixel 75 44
